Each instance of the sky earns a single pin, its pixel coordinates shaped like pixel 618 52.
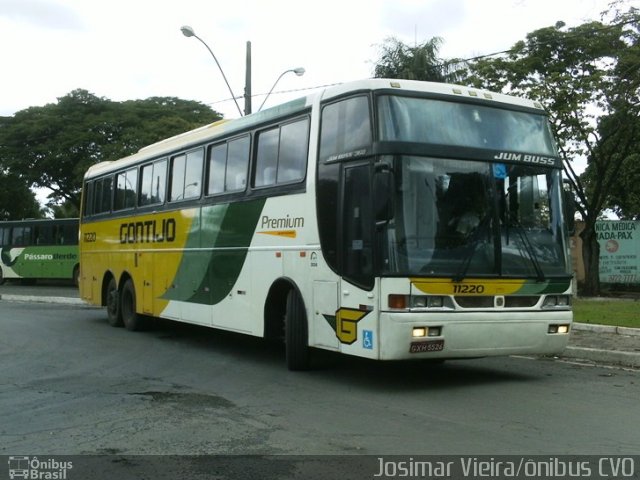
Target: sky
pixel 134 49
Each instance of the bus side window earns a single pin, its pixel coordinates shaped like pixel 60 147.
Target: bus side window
pixel 102 195
pixel 186 176
pixel 70 235
pixel 153 183
pixel 44 235
pixel 21 236
pixel 193 174
pixel 58 236
pixel 292 157
pixel 217 168
pixel 126 188
pixel 237 164
pixel 88 199
pixel 346 127
pixel 266 158
pixel 227 166
pixel 159 181
pixel 282 154
pixel 97 195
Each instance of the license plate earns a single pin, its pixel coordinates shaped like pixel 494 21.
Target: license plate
pixel 427 346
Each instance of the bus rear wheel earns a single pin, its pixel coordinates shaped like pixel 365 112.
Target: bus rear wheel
pixel 132 320
pixel 296 337
pixel 114 315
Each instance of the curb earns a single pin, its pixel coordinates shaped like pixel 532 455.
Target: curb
pixel 39 299
pixel 591 327
pixel 627 359
pixel 597 355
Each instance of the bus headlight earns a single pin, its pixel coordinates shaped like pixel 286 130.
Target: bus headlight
pixel 557 301
pixel 427 301
pixel 418 332
pixel 562 329
pixel 405 302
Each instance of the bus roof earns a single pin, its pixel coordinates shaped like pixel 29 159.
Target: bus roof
pixel 220 128
pixel 36 221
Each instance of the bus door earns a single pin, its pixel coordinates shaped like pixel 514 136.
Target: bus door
pixel 356 319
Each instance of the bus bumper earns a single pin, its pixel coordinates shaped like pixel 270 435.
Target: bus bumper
pixel 472 334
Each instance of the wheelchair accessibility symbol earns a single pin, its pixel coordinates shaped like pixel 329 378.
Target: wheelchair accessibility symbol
pixel 367 339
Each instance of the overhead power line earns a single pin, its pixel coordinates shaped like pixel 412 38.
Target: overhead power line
pixel 447 63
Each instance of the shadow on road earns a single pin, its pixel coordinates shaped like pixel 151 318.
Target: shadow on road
pixel 337 368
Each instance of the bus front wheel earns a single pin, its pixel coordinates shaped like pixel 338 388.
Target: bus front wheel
pixel 296 337
pixel 114 315
pixel 132 320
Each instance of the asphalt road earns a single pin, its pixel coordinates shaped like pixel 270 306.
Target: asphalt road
pixel 70 384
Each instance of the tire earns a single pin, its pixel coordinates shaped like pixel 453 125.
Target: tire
pixel 114 315
pixel 295 333
pixel 76 276
pixel 1 276
pixel 132 320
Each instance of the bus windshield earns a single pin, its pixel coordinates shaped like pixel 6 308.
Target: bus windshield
pixel 422 120
pixel 459 218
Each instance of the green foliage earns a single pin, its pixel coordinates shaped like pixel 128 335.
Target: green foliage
pixel 16 200
pixel 398 60
pixel 65 210
pixel 52 146
pixel 624 198
pixel 587 77
pixel 620 129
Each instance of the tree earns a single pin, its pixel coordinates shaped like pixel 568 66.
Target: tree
pixel 398 60
pixel 587 78
pixel 623 124
pixel 17 201
pixel 52 146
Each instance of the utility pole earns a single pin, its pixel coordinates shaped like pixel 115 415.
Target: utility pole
pixel 247 82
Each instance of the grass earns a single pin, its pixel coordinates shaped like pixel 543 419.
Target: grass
pixel 603 311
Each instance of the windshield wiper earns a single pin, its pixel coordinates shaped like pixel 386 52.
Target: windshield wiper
pixel 529 249
pixel 466 262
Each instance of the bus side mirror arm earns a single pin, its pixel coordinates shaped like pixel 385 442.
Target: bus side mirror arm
pixel 383 197
pixel 569 207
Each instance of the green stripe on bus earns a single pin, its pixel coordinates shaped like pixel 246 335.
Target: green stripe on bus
pixel 215 252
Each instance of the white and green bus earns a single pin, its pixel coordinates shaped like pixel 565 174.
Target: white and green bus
pixel 387 219
pixel 39 249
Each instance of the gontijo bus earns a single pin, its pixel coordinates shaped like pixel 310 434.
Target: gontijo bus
pixel 39 249
pixel 384 219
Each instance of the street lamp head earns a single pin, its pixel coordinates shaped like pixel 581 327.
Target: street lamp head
pixel 187 31
pixel 298 71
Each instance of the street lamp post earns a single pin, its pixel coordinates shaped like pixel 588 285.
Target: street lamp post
pixel 188 32
pixel 298 71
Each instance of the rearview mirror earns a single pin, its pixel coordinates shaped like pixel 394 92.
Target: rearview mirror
pixel 383 194
pixel 569 202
